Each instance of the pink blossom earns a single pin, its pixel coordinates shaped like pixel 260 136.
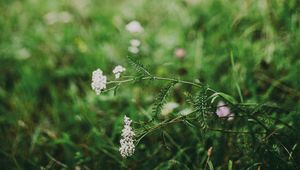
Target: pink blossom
pixel 223 111
pixel 180 53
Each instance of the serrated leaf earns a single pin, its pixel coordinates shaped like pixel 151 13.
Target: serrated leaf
pixel 161 98
pixel 138 66
pixel 189 123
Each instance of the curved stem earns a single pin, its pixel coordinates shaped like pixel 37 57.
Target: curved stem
pixel 161 78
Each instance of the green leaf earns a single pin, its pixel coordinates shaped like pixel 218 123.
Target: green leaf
pixel 189 123
pixel 235 75
pixel 210 165
pixel 139 67
pixel 230 165
pixel 225 96
pixel 161 98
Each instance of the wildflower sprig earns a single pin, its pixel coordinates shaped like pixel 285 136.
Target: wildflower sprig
pixel 203 103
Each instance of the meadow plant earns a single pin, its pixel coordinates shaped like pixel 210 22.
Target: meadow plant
pixel 207 107
pixel 189 104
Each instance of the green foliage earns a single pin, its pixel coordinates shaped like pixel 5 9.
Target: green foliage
pixel 210 165
pixel 160 100
pixel 200 105
pixel 230 165
pixel 247 51
pixel 139 67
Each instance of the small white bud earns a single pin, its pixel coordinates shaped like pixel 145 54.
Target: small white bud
pixel 118 70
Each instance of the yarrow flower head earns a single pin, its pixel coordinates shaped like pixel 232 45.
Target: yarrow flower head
pixel 134 27
pixel 58 17
pixel 135 43
pixel 127 147
pixel 98 81
pixel 118 70
pixel 134 46
pixel 133 49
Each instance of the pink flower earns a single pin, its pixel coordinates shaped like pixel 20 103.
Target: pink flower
pixel 223 111
pixel 179 53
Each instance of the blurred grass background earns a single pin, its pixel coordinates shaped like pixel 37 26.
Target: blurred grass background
pixel 49 48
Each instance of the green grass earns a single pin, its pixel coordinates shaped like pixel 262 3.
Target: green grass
pixel 51 118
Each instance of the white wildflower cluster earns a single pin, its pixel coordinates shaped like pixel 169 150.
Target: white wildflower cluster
pixel 127 147
pixel 118 70
pixel 58 17
pixel 134 27
pixel 134 46
pixel 98 81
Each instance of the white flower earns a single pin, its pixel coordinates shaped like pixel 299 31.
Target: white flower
pixel 186 111
pixel 98 81
pixel 22 124
pixel 135 43
pixel 231 117
pixel 23 54
pixel 133 49
pixel 134 46
pixel 127 147
pixel 58 17
pixel 134 27
pixel 168 108
pixel 118 70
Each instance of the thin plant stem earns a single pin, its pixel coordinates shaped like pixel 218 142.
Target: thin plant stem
pixel 161 78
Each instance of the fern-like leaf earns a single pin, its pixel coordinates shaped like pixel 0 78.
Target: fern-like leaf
pixel 201 107
pixel 161 98
pixel 139 67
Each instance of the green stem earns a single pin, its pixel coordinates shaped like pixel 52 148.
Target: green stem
pixel 161 78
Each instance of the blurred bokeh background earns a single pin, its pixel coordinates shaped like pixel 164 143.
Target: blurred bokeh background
pixel 49 48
